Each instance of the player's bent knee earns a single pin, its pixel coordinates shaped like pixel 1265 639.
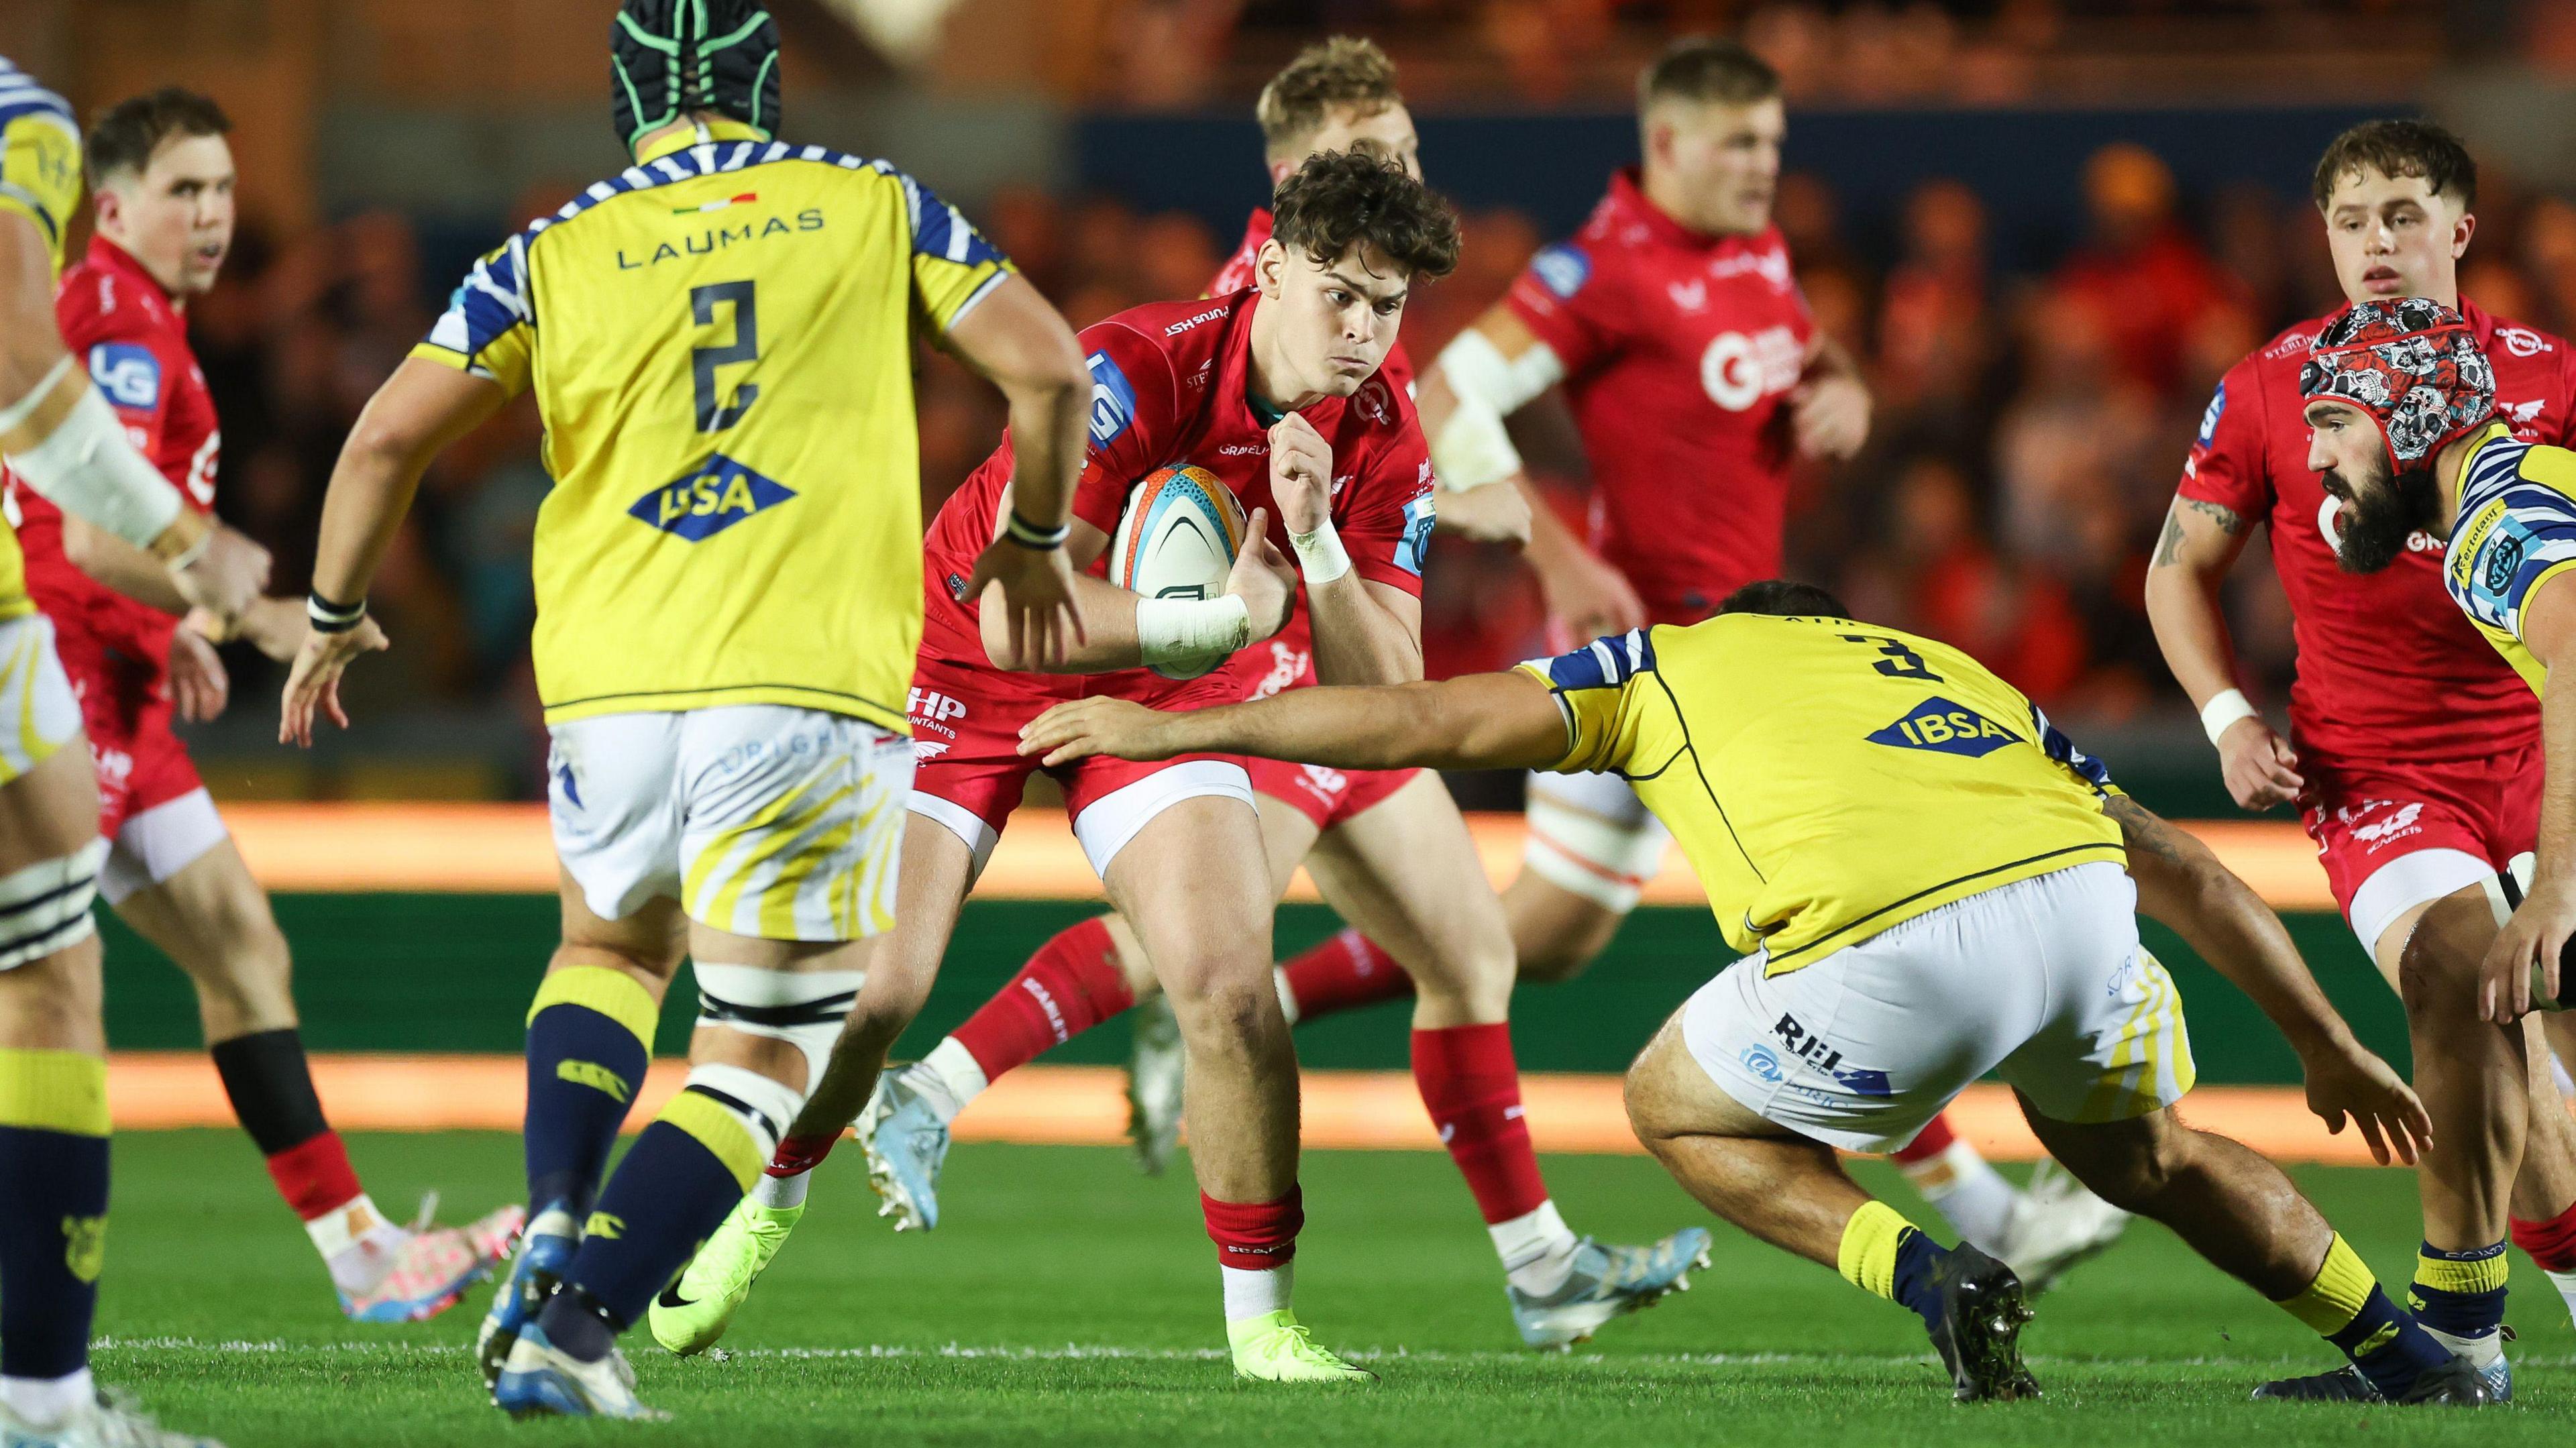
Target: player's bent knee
pixel 736 1113
pixel 2437 971
pixel 805 1009
pixel 45 907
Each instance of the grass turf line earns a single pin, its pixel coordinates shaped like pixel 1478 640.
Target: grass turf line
pixel 1067 1300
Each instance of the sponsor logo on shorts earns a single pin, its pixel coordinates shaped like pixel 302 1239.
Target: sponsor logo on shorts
pixel 932 710
pixel 1760 1061
pixel 926 750
pixel 2400 822
pixel 1812 1052
pixel 1327 785
pixel 571 788
pixel 706 501
pixel 1945 727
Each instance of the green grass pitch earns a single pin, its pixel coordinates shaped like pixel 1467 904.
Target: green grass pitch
pixel 1067 1300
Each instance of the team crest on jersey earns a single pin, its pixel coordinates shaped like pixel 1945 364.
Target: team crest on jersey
pixel 707 501
pixel 1949 728
pixel 128 374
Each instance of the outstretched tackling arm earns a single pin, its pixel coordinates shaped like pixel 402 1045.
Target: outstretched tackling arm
pixel 2183 884
pixel 1482 721
pixel 1018 342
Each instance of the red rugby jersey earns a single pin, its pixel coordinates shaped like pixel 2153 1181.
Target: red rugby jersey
pixel 2389 669
pixel 1680 351
pixel 1170 385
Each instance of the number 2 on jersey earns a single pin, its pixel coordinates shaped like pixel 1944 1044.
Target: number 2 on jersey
pixel 1901 662
pixel 714 413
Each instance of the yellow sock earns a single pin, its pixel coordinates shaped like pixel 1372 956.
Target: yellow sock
pixel 2343 1284
pixel 1870 1241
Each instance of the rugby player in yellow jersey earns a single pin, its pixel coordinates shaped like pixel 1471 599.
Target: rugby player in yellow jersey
pixel 1930 883
pixel 2403 428
pixel 729 596
pixel 61 437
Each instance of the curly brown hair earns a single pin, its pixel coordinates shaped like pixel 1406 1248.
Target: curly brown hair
pixel 1342 199
pixel 2399 148
pixel 1343 71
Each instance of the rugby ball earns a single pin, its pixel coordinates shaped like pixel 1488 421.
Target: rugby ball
pixel 1177 538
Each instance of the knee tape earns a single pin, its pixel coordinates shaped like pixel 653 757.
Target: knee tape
pixel 1608 864
pixel 805 1010
pixel 765 1107
pixel 45 907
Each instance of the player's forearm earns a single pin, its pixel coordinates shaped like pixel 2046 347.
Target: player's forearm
pixel 1833 361
pixel 2556 857
pixel 1015 340
pixel 1551 543
pixel 1391 726
pixel 1359 640
pixel 113 563
pixel 421 409
pixel 1046 440
pixel 2183 885
pixel 1110 641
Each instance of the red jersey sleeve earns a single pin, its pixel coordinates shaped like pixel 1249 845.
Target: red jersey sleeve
pixel 2225 465
pixel 1135 405
pixel 1387 512
pixel 131 360
pixel 1566 305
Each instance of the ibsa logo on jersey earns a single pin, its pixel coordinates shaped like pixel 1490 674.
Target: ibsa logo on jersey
pixel 1562 268
pixel 128 374
pixel 706 502
pixel 1949 728
pixel 2209 419
pixel 1113 400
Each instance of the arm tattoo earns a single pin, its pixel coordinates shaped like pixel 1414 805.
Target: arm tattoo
pixel 2143 831
pixel 2169 543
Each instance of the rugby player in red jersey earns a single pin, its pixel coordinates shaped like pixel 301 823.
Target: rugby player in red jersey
pixel 1273 393
pixel 162 178
pixel 1389 852
pixel 2414 755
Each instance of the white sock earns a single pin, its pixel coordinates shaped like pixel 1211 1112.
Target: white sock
pixel 2481 1351
pixel 2565 1282
pixel 357 1244
pixel 46 1402
pixel 778 1193
pixel 1254 1294
pixel 1968 1192
pixel 1287 994
pixel 947 1078
pixel 1537 1248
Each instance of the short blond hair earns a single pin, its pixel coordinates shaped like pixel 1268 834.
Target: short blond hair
pixel 1345 71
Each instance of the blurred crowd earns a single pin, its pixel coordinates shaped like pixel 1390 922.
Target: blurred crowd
pixel 2028 435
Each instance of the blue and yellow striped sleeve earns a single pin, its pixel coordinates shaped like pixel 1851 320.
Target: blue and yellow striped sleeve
pixel 489 327
pixel 953 265
pixel 1591 690
pixel 40 157
pixel 2518 533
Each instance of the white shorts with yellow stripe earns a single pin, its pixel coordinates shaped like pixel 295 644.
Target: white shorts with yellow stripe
pixel 38 713
pixel 2042 982
pixel 760 819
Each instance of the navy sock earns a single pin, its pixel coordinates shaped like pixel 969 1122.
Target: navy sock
pixel 2459 1294
pixel 1916 1256
pixel 587 1051
pixel 2389 1346
pixel 670 1192
pixel 53 1210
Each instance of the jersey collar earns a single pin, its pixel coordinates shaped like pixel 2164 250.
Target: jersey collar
pixel 107 255
pixel 679 141
pixel 2460 484
pixel 1628 188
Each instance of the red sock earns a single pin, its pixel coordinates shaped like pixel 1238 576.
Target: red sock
pixel 315 1176
pixel 1072 984
pixel 1930 1142
pixel 1254 1236
pixel 2552 1244
pixel 1344 973
pixel 1472 1088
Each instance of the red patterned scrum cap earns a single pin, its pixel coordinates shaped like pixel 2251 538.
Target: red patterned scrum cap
pixel 2414 365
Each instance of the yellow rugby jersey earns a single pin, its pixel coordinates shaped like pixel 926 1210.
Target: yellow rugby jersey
pixel 1829 779
pixel 2516 531
pixel 720 342
pixel 40 179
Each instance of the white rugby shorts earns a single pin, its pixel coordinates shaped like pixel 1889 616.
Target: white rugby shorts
pixel 760 819
pixel 2042 981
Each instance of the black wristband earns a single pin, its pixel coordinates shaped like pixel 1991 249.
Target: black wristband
pixel 329 617
pixel 1029 535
